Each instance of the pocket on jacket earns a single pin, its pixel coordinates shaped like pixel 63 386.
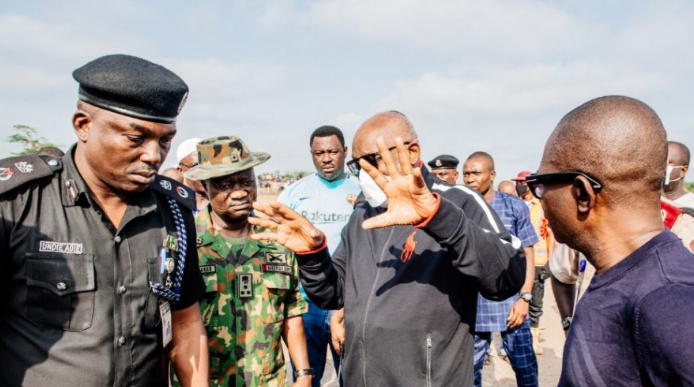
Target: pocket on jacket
pixel 210 307
pixel 276 286
pixel 60 290
pixel 152 318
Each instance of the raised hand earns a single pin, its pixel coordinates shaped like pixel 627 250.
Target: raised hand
pixel 409 199
pixel 290 229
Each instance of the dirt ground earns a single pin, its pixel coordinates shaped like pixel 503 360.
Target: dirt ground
pixel 499 372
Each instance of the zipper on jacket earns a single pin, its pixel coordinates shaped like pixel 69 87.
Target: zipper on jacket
pixel 429 345
pixel 368 305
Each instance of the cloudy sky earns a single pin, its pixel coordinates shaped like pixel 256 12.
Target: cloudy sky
pixel 491 75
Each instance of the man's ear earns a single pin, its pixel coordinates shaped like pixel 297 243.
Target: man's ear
pixel 345 151
pixel 584 194
pixel 82 122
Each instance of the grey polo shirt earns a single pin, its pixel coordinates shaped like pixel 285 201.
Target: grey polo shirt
pixel 75 303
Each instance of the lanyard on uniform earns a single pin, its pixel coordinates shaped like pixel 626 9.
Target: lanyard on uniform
pixel 172 290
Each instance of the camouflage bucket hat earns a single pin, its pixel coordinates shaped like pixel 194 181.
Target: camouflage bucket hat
pixel 222 156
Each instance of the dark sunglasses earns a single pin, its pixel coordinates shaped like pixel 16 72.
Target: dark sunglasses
pixel 371 158
pixel 537 182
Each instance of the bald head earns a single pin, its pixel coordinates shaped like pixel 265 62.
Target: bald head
pixel 508 187
pixel 678 153
pixel 617 140
pixel 388 125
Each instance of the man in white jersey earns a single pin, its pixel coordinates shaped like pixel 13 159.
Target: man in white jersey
pixel 326 198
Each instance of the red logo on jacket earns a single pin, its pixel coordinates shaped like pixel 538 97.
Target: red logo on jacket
pixel 408 247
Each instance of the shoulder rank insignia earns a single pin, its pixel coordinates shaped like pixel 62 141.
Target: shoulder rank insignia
pixel 276 258
pixel 174 190
pixel 16 171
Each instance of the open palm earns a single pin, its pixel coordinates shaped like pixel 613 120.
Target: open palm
pixel 409 199
pixel 286 227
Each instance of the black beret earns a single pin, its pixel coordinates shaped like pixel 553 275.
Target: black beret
pixel 133 87
pixel 444 162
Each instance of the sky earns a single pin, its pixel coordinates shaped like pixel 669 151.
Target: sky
pixel 479 75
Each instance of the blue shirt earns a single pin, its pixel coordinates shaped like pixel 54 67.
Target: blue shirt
pixel 633 326
pixel 514 214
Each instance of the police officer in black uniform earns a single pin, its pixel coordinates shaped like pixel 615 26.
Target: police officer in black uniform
pixel 98 267
pixel 445 167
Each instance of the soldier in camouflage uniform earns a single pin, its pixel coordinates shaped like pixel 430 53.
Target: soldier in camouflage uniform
pixel 252 298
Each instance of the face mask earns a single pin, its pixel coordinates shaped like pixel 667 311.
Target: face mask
pixel 668 173
pixel 521 189
pixel 372 192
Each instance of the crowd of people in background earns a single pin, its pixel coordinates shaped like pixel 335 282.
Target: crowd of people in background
pixel 113 274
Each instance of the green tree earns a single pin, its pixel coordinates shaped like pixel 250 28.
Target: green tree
pixel 689 185
pixel 29 139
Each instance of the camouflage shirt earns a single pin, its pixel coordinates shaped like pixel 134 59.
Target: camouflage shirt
pixel 251 287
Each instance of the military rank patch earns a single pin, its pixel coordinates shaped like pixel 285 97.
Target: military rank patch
pixel 285 269
pixel 244 285
pixel 276 258
pixel 207 269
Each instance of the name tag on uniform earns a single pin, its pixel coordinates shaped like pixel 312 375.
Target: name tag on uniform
pixel 286 269
pixel 165 312
pixel 60 247
pixel 207 269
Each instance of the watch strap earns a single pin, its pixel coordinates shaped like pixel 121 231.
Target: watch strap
pixel 304 372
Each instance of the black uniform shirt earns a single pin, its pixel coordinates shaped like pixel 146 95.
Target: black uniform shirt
pixel 76 307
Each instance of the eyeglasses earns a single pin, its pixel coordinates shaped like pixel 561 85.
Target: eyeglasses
pixel 371 158
pixel 537 182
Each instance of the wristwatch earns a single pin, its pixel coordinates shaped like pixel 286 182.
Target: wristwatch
pixel 566 322
pixel 304 372
pixel 526 296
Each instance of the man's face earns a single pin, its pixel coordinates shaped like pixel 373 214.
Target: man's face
pixel 560 209
pixel 677 167
pixel 447 175
pixel 123 152
pixel 477 174
pixel 365 145
pixel 328 156
pixel 231 196
pixel 187 163
pixel 522 190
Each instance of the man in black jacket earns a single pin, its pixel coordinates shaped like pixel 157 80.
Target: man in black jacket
pixel 408 276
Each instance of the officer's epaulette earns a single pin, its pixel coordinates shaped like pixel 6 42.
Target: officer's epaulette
pixel 174 190
pixel 19 170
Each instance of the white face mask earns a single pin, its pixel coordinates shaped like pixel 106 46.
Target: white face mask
pixel 668 172
pixel 372 192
